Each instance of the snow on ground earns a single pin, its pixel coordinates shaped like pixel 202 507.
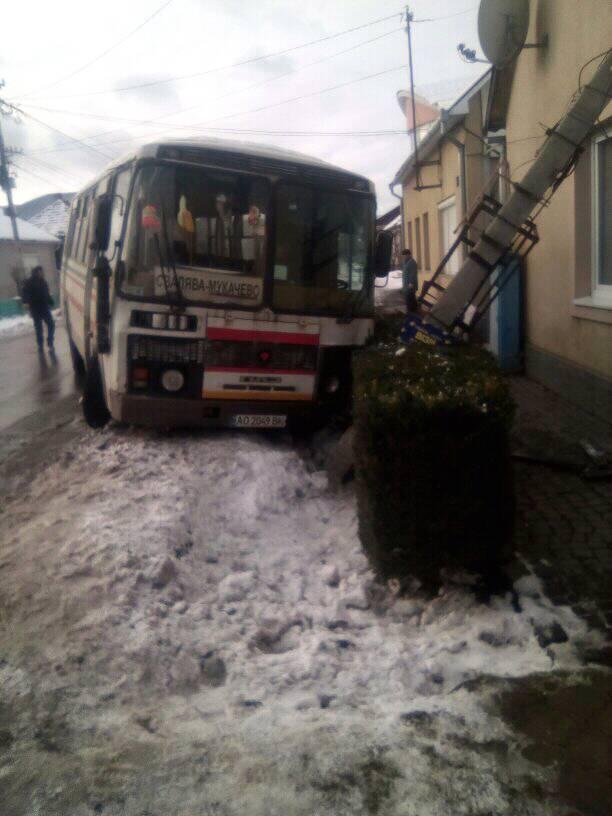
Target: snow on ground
pixel 15 326
pixel 20 324
pixel 388 294
pixel 394 280
pixel 188 626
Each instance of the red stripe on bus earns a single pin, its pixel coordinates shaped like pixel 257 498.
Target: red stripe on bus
pixel 233 370
pixel 75 303
pixel 291 338
pixel 73 279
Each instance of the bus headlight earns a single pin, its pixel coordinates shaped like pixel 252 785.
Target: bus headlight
pixel 172 380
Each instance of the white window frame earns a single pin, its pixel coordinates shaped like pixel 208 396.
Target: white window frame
pixel 447 204
pixel 601 293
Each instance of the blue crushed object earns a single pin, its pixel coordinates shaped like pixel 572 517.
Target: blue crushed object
pixel 416 330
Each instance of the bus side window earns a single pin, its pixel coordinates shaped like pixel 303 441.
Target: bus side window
pixel 78 223
pixel 70 237
pixel 80 249
pixel 89 255
pixel 120 191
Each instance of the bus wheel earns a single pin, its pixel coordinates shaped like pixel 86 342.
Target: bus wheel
pixel 78 365
pixel 94 405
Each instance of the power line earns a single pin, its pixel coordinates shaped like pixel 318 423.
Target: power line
pixel 202 125
pixel 58 171
pixel 278 76
pixel 313 132
pixel 303 96
pixel 158 119
pixel 100 56
pixel 586 64
pixel 61 132
pixel 239 64
pixel 298 132
pixel 34 175
pixel 446 16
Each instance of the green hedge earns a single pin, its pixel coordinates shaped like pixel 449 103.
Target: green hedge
pixel 432 464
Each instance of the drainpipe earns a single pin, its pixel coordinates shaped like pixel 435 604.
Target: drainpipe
pixel 401 201
pixel 463 180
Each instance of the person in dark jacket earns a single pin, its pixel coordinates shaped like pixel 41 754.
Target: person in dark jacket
pixel 35 294
pixel 410 281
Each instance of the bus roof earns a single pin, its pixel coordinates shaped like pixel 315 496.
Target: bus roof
pixel 265 153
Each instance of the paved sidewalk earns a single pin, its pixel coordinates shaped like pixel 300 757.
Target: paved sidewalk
pixel 564 521
pixel 564 531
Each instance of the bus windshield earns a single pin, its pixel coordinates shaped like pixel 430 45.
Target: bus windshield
pixel 324 243
pixel 210 224
pixel 213 226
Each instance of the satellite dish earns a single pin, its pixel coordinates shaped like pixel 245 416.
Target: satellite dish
pixel 502 29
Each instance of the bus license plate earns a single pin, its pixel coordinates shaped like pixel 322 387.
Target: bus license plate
pixel 258 421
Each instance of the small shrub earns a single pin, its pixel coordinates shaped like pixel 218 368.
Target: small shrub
pixel 432 465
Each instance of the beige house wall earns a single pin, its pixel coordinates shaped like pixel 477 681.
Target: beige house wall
pixel 478 171
pixel 417 203
pixel 561 334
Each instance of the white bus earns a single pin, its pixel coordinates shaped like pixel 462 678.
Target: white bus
pixel 219 283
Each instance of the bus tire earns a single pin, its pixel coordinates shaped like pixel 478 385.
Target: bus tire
pixel 78 364
pixel 95 410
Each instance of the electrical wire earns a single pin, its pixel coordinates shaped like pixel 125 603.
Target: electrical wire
pixel 238 64
pixel 586 64
pixel 446 16
pixel 286 73
pixel 100 56
pixel 173 127
pixel 183 127
pixel 158 120
pixel 402 131
pixel 61 132
pixel 58 171
pixel 250 132
pixel 264 107
pixel 34 175
pixel 526 139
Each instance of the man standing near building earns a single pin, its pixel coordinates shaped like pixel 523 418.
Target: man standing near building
pixel 410 280
pixel 35 293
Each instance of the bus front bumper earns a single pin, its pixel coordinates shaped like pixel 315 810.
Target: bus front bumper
pixel 135 409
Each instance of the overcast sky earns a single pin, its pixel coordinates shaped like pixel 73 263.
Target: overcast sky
pixel 44 64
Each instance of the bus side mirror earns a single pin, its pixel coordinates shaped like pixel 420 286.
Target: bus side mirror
pixel 382 256
pixel 103 208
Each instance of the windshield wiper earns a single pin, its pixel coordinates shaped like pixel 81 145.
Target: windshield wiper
pixel 161 265
pixel 170 254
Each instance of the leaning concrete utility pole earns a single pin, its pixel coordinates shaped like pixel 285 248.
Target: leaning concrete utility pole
pixel 6 184
pixel 548 169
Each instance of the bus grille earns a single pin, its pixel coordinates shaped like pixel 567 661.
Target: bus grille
pixel 165 349
pixel 244 354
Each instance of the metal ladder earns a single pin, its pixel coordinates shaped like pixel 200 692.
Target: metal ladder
pixel 497 274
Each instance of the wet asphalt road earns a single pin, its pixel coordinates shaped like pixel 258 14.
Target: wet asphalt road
pixel 29 383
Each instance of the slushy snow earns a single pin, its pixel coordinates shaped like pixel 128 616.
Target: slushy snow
pixel 189 626
pixel 16 326
pixel 20 324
